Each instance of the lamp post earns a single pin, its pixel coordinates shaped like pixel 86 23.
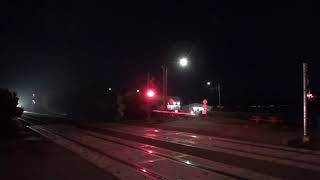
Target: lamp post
pixel 164 86
pixel 183 62
pixel 219 91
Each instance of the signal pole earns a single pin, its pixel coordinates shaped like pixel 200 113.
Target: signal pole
pixel 306 137
pixel 148 102
pixel 148 80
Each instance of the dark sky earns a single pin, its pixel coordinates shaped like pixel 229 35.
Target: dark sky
pixel 252 48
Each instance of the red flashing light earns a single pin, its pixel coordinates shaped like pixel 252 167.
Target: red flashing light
pixel 150 93
pixel 204 101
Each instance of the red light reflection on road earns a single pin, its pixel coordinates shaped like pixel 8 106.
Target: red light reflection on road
pixel 169 112
pixel 143 170
pixel 150 135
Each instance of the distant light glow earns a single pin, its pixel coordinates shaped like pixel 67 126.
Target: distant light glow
pixel 20 103
pixel 183 62
pixel 194 136
pixel 156 130
pixel 33 95
pixel 175 111
pixel 208 83
pixel 143 170
pixel 196 109
pixel 138 90
pixel 34 101
pixel 110 89
pixel 310 96
pixel 149 151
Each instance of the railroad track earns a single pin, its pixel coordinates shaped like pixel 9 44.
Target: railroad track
pixel 101 141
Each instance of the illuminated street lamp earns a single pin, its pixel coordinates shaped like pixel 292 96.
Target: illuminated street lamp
pixel 183 62
pixel 138 90
pixel 219 90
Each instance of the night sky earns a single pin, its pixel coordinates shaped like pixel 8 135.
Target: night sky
pixel 252 48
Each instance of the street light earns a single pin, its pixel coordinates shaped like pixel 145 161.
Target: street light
pixel 219 90
pixel 183 62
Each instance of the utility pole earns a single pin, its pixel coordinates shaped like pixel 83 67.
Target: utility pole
pixel 164 86
pixel 306 137
pixel 219 94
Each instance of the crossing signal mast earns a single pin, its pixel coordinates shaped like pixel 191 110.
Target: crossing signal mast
pixel 150 96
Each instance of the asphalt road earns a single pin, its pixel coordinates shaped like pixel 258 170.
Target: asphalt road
pixel 134 152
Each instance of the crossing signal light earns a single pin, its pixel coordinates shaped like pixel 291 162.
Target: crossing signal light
pixel 150 93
